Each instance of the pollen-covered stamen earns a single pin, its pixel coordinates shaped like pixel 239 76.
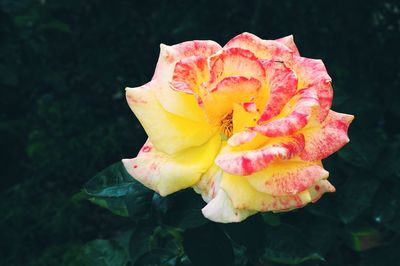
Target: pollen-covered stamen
pixel 227 125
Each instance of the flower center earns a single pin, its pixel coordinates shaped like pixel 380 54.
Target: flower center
pixel 227 125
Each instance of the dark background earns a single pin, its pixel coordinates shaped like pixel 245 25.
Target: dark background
pixel 63 69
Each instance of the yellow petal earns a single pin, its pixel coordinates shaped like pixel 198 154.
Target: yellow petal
pixel 169 173
pixel 169 133
pixel 287 177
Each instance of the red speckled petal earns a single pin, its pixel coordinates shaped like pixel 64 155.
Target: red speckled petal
pixel 263 49
pixel 173 101
pixel 189 73
pixel 289 42
pixel 325 139
pixel 248 162
pixel 312 73
pixel 166 173
pixel 169 55
pixel 282 84
pixel 245 197
pixel 235 62
pixel 306 102
pixel 287 177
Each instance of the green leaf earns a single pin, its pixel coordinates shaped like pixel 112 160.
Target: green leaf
pixel 285 244
pixel 355 196
pixel 116 205
pixel 157 257
pixel 362 239
pixel 114 189
pixel 208 245
pixel 114 181
pixel 140 242
pixel 104 253
pixel 182 209
pixel 249 233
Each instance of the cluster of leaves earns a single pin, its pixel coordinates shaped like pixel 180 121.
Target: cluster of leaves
pixel 63 67
pixel 171 230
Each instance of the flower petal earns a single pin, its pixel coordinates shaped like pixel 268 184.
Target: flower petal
pixel 169 133
pixel 289 42
pixel 312 73
pixel 221 210
pixel 287 177
pixel 189 73
pixel 235 62
pixel 177 102
pixel 245 197
pixel 248 162
pixel 324 139
pixel 263 49
pixel 169 173
pixel 293 117
pixel 282 85
pixel 235 89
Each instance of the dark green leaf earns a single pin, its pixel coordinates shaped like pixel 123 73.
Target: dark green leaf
pixel 115 205
pixel 157 257
pixel 354 196
pixel 114 181
pixel 104 253
pixel 249 233
pixel 208 245
pixel 140 242
pixel 285 244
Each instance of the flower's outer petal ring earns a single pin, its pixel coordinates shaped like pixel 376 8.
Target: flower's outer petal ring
pixel 169 173
pixel 169 133
pixel 245 197
pixel 326 138
pixel 283 178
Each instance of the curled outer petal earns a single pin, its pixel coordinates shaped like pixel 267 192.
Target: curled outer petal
pixel 289 42
pixel 169 173
pixel 168 132
pixel 263 49
pixel 312 73
pixel 245 197
pixel 287 178
pixel 323 139
pixel 248 162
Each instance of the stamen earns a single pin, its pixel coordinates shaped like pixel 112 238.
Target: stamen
pixel 227 125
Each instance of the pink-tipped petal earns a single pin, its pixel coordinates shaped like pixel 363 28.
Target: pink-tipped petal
pixel 307 101
pixel 287 178
pixel 241 138
pixel 325 139
pixel 169 55
pixel 312 73
pixel 248 162
pixel 189 73
pixel 263 49
pixel 289 42
pixel 235 62
pixel 282 84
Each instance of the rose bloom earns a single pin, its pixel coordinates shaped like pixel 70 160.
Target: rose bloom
pixel 246 125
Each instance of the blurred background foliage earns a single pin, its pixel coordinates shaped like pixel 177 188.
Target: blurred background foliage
pixel 64 65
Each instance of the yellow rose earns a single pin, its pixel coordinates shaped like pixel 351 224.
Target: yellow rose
pixel 246 125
